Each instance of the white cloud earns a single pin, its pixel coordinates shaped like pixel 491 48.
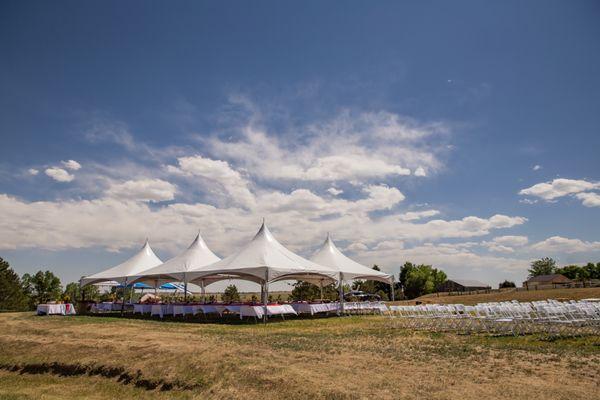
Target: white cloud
pixel 558 244
pixel 390 245
pixel 528 201
pixel 297 219
pixel 304 201
pixel 511 240
pixel 352 147
pixel 537 167
pixel 220 174
pixel 103 130
pixel 144 190
pixel 420 171
pixel 33 171
pixel 416 215
pixel 356 247
pixel 559 188
pixel 71 164
pixel 589 199
pixel 334 192
pixel 456 259
pixel 498 248
pixel 59 174
pixel 505 244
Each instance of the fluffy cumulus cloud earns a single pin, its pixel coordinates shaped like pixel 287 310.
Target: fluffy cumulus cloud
pixel 420 171
pixel 589 199
pixel 559 188
pixel 351 146
pixel 300 219
pixel 227 180
pixel 506 244
pixel 218 174
pixel 558 245
pixel 71 164
pixel 458 260
pixel 416 215
pixel 154 190
pixel 334 192
pixel 33 171
pixel 59 174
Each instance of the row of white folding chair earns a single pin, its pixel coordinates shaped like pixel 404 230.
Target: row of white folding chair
pixel 511 316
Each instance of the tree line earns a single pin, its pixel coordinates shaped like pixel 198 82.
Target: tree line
pixel 26 292
pixel 415 280
pixel 548 266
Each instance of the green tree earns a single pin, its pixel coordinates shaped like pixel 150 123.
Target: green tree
pixel 405 270
pixel 231 294
pixel 574 272
pixel 417 280
pixel 305 291
pixel 507 284
pixel 12 296
pixel 41 287
pixel 592 270
pixel 74 292
pixel 543 266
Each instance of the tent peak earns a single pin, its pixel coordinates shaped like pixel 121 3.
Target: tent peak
pixel 264 232
pixel 198 242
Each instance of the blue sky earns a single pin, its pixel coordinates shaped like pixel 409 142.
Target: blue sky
pixel 461 134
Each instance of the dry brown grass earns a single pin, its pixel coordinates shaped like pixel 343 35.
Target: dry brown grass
pixel 334 358
pixel 509 294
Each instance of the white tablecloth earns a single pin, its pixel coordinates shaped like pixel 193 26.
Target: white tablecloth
pixel 185 309
pixel 60 309
pixel 142 308
pixel 312 309
pixel 259 311
pixel 366 306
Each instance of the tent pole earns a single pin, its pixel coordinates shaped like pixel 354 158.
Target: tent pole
pixel 266 295
pixel 184 288
pixel 123 303
pixel 341 291
pixel 202 291
pixel 393 290
pixel 156 287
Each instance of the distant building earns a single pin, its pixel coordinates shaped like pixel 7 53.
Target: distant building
pixel 546 281
pixel 462 285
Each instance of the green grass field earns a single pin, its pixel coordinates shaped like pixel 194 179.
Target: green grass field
pixel 329 358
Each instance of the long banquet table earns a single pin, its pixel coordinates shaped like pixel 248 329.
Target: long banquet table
pixel 247 310
pixel 192 309
pixel 108 306
pixel 314 308
pixel 56 309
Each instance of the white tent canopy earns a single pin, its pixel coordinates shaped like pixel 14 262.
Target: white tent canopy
pixel 330 256
pixel 264 260
pixel 177 269
pixel 141 261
